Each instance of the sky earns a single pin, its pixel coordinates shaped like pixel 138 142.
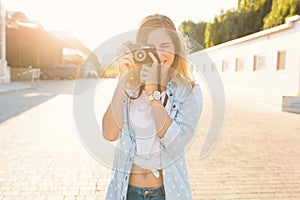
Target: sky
pixel 96 21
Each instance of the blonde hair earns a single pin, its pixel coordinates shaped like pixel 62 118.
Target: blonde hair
pixel 157 21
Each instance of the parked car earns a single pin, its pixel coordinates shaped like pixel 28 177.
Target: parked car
pixel 91 74
pixel 61 71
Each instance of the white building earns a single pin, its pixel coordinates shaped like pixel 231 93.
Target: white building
pixel 266 63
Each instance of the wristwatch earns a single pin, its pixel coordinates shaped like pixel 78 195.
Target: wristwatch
pixel 154 96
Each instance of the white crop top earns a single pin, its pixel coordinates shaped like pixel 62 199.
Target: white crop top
pixel 147 155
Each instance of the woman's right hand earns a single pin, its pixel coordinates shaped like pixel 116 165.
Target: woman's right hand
pixel 125 60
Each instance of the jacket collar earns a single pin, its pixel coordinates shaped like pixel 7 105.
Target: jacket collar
pixel 178 86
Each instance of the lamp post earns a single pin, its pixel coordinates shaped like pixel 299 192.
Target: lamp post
pixel 4 72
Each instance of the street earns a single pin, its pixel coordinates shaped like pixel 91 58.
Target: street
pixel 41 156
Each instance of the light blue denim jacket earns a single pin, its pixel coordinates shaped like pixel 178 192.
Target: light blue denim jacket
pixel 186 106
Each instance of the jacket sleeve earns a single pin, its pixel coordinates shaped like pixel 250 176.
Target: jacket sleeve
pixel 184 123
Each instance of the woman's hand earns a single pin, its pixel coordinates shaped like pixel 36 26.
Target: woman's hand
pixel 149 75
pixel 125 60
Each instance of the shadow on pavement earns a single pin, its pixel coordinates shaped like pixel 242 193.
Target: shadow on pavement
pixel 16 102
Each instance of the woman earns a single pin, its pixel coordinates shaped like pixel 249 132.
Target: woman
pixel 154 125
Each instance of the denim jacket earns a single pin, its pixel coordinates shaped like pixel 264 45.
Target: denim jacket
pixel 186 106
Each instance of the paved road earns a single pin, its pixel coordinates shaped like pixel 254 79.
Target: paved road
pixel 41 157
pixel 14 103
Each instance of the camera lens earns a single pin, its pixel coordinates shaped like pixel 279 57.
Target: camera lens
pixel 140 56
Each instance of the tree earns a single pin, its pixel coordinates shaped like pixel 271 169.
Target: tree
pixel 250 17
pixel 194 34
pixel 233 24
pixel 281 9
pixel 250 5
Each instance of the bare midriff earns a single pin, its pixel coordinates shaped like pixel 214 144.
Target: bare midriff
pixel 140 177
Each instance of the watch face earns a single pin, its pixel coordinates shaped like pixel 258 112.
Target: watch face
pixel 156 95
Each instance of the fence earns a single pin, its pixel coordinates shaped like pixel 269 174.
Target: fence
pixel 26 74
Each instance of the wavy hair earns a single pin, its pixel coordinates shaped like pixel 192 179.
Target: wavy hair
pixel 157 21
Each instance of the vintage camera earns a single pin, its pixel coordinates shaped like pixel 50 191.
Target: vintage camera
pixel 140 53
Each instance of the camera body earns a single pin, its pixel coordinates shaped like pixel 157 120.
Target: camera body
pixel 140 53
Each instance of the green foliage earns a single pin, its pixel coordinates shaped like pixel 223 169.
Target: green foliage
pixel 251 16
pixel 233 24
pixel 250 5
pixel 209 35
pixel 110 71
pixel 281 9
pixel 194 33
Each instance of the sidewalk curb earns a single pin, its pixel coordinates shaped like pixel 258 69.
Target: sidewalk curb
pixel 11 88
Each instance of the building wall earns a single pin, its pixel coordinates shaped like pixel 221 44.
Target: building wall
pixel 33 47
pixel 269 83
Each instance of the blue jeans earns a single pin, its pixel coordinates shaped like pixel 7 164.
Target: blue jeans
pixel 137 193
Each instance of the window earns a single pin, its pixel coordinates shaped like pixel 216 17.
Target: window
pixel 204 68
pixel 213 67
pixel 225 66
pixel 239 64
pixel 281 60
pixel 207 68
pixel 259 62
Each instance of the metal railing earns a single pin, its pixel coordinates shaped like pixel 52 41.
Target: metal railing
pixel 35 75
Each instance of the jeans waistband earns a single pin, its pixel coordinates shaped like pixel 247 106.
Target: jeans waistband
pixel 160 191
